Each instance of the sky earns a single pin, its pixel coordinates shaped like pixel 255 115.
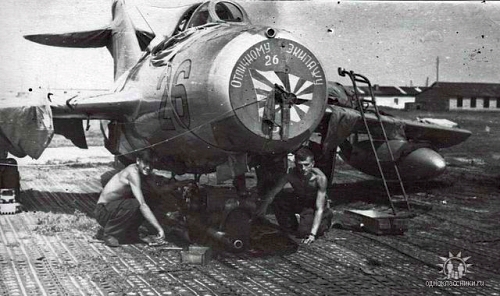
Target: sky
pixel 392 43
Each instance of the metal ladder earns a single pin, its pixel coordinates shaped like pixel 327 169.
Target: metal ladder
pixel 362 105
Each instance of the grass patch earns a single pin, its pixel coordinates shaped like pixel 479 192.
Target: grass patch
pixel 53 223
pixel 76 163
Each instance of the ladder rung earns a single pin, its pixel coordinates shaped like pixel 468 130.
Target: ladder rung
pixel 362 108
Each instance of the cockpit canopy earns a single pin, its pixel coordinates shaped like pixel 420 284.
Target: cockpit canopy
pixel 213 12
pixel 208 13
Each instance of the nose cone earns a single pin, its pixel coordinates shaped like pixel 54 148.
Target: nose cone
pixel 278 89
pixel 422 164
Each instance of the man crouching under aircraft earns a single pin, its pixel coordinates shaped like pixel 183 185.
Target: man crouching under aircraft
pixel 121 207
pixel 308 199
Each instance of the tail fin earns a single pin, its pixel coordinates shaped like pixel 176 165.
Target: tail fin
pixel 123 41
pixel 124 47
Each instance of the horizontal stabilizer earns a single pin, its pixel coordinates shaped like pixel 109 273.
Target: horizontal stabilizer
pixel 86 39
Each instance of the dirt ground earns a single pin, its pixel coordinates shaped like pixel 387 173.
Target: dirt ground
pixel 48 248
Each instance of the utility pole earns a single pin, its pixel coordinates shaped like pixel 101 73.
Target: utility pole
pixel 437 69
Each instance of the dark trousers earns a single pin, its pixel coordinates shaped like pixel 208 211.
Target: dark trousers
pixel 287 205
pixel 120 219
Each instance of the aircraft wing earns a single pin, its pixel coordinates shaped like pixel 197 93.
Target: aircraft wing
pixel 439 136
pixel 28 124
pixel 109 106
pixel 25 127
pixel 345 121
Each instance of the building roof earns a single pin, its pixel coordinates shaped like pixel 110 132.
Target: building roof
pixel 390 91
pixel 466 89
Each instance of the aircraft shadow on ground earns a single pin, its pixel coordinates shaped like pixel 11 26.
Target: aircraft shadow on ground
pixel 267 240
pixel 374 192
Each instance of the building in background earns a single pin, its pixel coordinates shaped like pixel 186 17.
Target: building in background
pixel 447 96
pixel 396 97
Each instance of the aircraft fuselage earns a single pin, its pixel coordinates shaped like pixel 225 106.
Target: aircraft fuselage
pixel 223 89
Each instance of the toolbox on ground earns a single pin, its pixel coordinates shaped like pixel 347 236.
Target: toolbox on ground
pixel 196 255
pixel 378 222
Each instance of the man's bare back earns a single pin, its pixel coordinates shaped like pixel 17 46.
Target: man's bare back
pixel 116 208
pixel 119 185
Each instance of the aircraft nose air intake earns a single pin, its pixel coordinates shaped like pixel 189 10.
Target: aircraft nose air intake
pixel 278 89
pixel 270 33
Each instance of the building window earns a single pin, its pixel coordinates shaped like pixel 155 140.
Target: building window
pixel 498 102
pixel 486 103
pixel 396 101
pixel 460 102
pixel 473 102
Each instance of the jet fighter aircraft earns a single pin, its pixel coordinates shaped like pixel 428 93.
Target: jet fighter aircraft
pixel 216 89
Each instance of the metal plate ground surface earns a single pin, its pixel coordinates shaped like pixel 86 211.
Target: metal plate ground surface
pixel 457 221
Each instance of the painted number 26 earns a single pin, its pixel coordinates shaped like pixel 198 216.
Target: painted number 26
pixel 271 60
pixel 174 101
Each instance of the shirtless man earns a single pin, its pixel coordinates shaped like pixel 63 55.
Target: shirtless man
pixel 121 207
pixel 307 199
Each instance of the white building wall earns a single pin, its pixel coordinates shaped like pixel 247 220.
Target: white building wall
pixel 390 101
pixel 479 104
pixel 492 106
pixel 452 103
pixel 466 104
